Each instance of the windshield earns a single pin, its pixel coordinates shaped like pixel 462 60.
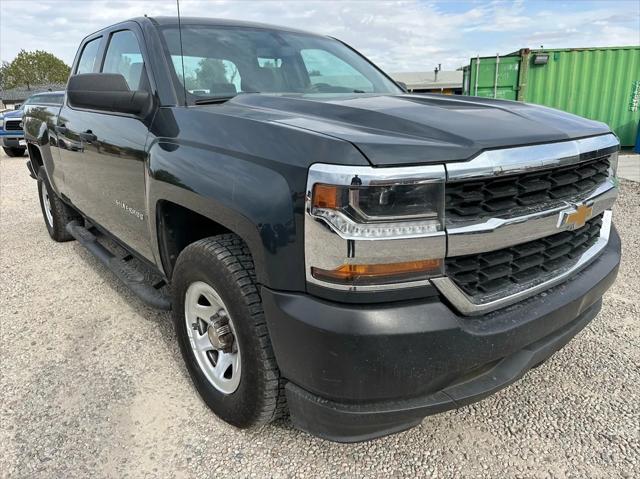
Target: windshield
pixel 51 99
pixel 31 100
pixel 222 61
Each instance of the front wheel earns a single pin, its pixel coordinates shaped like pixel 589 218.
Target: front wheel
pixel 223 336
pixel 14 152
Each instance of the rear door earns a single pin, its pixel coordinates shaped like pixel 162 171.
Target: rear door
pixel 68 173
pixel 111 147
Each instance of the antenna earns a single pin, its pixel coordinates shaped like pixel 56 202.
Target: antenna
pixel 184 78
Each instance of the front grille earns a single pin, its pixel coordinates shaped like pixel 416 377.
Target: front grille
pixel 12 125
pixel 491 197
pixel 521 265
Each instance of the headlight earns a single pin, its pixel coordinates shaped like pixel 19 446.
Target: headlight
pixel 1 122
pixel 380 211
pixel 384 227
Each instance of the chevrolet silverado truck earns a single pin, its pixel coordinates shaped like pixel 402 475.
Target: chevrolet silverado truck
pixel 11 134
pixel 330 246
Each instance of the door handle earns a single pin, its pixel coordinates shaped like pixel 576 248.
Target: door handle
pixel 88 136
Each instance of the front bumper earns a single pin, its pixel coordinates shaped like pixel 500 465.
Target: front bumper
pixel 11 139
pixel 356 372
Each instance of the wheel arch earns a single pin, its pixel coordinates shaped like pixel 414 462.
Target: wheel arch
pixel 35 157
pixel 178 225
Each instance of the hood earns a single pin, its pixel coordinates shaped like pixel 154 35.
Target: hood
pixel 13 114
pixel 417 129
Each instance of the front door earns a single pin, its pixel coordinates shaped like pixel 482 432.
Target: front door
pixel 111 148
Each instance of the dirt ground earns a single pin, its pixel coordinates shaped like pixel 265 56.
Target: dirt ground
pixel 92 385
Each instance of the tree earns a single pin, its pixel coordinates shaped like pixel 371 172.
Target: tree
pixel 3 69
pixel 33 68
pixel 211 71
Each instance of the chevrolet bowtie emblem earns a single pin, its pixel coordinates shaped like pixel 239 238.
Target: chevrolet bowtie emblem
pixel 576 217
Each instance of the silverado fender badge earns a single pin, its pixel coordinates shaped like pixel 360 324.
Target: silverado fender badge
pixel 575 217
pixel 129 209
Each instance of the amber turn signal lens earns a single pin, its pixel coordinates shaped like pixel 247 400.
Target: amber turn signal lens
pixel 379 273
pixel 325 196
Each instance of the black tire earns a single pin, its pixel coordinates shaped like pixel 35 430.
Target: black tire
pixel 61 213
pixel 14 152
pixel 224 262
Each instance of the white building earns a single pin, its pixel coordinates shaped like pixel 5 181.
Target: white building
pixel 447 82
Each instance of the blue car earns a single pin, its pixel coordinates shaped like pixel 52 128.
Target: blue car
pixel 11 134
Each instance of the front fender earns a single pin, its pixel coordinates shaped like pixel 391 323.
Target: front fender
pixel 253 201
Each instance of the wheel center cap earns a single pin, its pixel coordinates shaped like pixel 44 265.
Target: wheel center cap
pixel 220 333
pixel 213 337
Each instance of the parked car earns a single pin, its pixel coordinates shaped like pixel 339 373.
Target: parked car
pixel 11 134
pixel 331 246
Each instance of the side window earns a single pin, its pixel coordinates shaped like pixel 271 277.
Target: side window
pixel 327 70
pixel 124 56
pixel 88 56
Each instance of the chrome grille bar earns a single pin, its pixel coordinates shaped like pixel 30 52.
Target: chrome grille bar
pixel 497 233
pixel 511 161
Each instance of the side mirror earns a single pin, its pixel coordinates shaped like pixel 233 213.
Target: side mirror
pixel 106 92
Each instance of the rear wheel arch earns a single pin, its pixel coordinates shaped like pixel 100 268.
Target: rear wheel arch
pixel 35 156
pixel 56 213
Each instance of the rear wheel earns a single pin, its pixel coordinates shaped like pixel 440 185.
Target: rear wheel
pixel 223 336
pixel 14 152
pixel 55 212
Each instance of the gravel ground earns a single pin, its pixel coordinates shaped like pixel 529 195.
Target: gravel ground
pixel 93 385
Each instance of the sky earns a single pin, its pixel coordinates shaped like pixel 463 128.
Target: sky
pixel 411 35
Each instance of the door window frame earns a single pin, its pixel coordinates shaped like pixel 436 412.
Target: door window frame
pixel 93 38
pixel 105 39
pixel 140 46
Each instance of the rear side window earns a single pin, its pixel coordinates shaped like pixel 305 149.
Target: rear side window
pixel 88 56
pixel 124 57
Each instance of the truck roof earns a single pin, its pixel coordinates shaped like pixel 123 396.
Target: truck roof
pixel 173 21
pixel 44 93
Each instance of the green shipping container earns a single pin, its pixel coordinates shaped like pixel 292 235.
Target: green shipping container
pixel 598 83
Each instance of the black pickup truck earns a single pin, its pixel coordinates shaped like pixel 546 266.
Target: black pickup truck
pixel 331 247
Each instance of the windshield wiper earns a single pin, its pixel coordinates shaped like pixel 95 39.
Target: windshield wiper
pixel 213 99
pixel 219 99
